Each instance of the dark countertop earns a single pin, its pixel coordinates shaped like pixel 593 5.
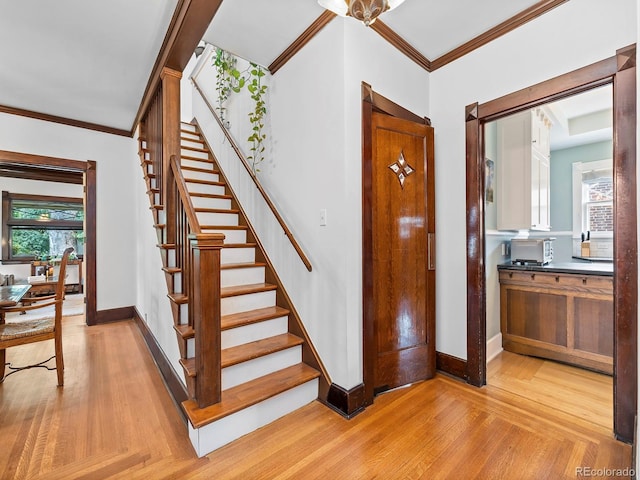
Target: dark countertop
pixel 579 268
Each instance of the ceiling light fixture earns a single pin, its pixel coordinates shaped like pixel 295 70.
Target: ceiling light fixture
pixel 364 10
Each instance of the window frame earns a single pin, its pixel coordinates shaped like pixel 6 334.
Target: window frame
pixel 579 204
pixel 8 223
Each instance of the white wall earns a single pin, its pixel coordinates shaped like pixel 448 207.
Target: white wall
pixel 115 156
pixel 570 36
pixel 151 299
pixel 313 162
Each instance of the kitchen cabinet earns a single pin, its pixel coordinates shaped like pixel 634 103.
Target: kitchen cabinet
pixel 566 317
pixel 523 171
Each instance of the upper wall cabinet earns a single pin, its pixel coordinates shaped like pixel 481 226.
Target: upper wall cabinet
pixel 523 151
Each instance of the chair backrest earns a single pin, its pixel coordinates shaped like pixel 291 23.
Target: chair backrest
pixel 62 274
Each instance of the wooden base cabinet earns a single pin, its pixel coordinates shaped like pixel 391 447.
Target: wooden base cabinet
pixel 563 317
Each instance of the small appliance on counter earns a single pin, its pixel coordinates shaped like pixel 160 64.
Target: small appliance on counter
pixel 531 251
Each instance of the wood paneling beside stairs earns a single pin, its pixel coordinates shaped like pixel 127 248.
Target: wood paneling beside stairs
pixel 262 358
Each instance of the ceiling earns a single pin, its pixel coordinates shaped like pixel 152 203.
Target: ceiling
pixel 91 61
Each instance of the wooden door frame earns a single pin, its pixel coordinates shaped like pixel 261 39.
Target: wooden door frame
pixel 620 72
pixel 88 170
pixel 372 102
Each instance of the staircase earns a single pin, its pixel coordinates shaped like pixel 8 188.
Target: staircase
pixel 263 375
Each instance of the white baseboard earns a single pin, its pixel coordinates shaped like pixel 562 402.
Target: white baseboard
pixel 494 347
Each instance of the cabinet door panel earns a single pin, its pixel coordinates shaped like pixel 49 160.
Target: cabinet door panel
pixel 538 316
pixel 594 325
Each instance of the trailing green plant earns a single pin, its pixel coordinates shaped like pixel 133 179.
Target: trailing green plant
pixel 228 78
pixel 257 137
pixel 231 80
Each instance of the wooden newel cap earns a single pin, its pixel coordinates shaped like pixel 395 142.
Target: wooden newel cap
pixel 208 240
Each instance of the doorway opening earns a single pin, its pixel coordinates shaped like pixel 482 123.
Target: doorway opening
pixel 618 71
pixel 51 169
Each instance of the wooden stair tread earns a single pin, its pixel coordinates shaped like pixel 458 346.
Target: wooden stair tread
pixel 231 266
pixel 245 352
pixel 189 366
pixel 204 182
pixel 259 348
pixel 185 331
pixel 198 159
pixel 171 270
pixel 198 169
pixel 216 210
pixel 194 149
pixel 210 195
pixel 223 227
pixel 250 393
pixel 239 245
pixel 179 298
pixel 251 316
pixel 234 291
pixel 167 246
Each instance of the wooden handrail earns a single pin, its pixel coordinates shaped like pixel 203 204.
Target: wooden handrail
pixel 184 196
pixel 264 194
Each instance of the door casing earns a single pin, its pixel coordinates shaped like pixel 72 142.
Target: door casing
pixel 619 71
pixel 88 170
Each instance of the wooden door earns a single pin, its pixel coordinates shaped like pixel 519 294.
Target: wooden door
pixel 402 222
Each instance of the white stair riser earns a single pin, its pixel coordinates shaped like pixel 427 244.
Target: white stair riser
pixel 217 434
pixel 210 218
pixel 208 202
pixel 193 137
pixel 184 314
pixel 250 301
pixel 187 162
pixel 193 143
pixel 252 369
pixel 248 333
pixel 191 347
pixel 171 258
pixel 205 188
pixel 230 236
pixel 197 175
pixel 193 153
pixel 241 276
pixel 177 283
pixel 237 255
pixel 187 126
pixel 253 332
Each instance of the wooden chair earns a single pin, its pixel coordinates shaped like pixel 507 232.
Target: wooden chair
pixel 29 331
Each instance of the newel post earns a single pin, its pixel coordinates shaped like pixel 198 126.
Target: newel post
pixel 205 306
pixel 170 145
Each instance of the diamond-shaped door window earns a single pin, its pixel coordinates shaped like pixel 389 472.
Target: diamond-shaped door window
pixel 401 169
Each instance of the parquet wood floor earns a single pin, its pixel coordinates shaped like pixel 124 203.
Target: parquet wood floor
pixel 114 419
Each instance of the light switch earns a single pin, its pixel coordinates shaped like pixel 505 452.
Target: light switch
pixel 323 217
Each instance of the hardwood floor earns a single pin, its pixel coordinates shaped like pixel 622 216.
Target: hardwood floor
pixel 114 419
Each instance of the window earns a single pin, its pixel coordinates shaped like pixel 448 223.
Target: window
pixel 37 226
pixel 597 201
pixel 593 208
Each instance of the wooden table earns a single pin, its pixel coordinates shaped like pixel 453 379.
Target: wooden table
pixel 11 295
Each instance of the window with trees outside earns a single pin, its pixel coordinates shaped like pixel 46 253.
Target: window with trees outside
pixel 38 227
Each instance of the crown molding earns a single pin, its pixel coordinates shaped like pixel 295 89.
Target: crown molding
pixel 503 28
pixel 301 41
pixel 411 52
pixel 64 121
